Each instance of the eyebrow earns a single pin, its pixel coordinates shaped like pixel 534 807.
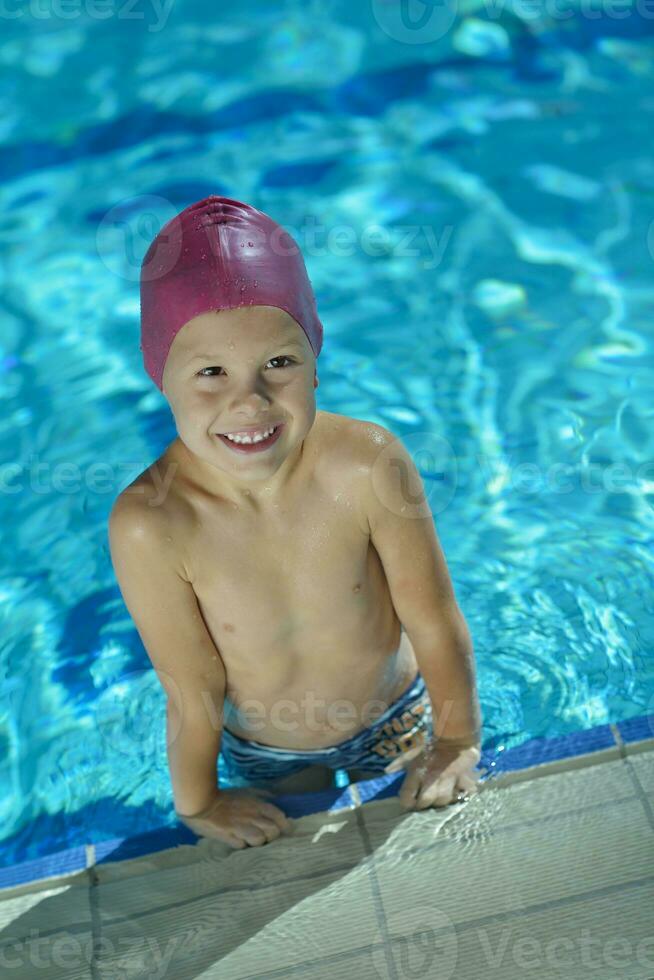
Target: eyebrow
pixel 213 357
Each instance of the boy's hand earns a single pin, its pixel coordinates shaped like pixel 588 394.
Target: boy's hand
pixel 437 774
pixel 238 817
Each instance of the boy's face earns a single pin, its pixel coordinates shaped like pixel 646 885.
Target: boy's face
pixel 234 369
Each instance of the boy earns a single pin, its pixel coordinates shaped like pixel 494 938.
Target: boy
pixel 297 577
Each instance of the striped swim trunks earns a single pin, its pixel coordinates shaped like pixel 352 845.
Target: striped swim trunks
pixel 404 725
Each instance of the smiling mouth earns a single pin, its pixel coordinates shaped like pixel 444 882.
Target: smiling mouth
pixel 252 447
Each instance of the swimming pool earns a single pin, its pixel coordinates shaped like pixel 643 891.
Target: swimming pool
pixel 476 216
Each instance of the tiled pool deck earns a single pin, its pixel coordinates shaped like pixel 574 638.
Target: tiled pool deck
pixel 547 873
pixel 611 741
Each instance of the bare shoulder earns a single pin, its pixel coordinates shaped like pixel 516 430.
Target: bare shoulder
pixel 359 440
pixel 351 448
pixel 132 517
pixel 143 513
pixel 155 495
pixel 384 477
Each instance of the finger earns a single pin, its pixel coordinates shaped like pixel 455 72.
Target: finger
pixel 224 836
pixel 256 831
pixel 438 793
pixel 467 784
pixel 270 828
pixel 476 786
pixel 274 813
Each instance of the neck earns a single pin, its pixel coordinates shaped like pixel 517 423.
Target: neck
pixel 257 494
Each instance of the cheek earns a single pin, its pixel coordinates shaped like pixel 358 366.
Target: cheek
pixel 199 400
pixel 194 412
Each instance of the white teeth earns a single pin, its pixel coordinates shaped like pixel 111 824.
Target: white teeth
pixel 250 439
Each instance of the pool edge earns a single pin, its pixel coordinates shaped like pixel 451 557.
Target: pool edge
pixel 532 759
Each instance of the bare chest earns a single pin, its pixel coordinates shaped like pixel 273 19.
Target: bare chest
pixel 298 605
pixel 293 596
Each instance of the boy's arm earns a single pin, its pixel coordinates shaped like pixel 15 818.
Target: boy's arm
pixel 402 531
pixel 165 611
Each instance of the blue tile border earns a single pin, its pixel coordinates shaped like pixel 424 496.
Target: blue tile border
pixel 49 866
pixel 539 751
pixel 636 729
pixel 535 752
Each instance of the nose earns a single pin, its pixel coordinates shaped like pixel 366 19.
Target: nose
pixel 249 402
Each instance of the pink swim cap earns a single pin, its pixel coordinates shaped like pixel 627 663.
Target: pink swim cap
pixel 219 254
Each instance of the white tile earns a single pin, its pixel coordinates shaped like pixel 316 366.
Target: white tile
pixel 489 865
pixel 44 911
pixel 550 859
pixel 603 937
pixel 643 766
pixel 249 911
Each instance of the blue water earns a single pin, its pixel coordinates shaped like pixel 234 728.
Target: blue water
pixel 502 329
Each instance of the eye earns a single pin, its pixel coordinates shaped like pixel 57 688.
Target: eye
pixel 280 357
